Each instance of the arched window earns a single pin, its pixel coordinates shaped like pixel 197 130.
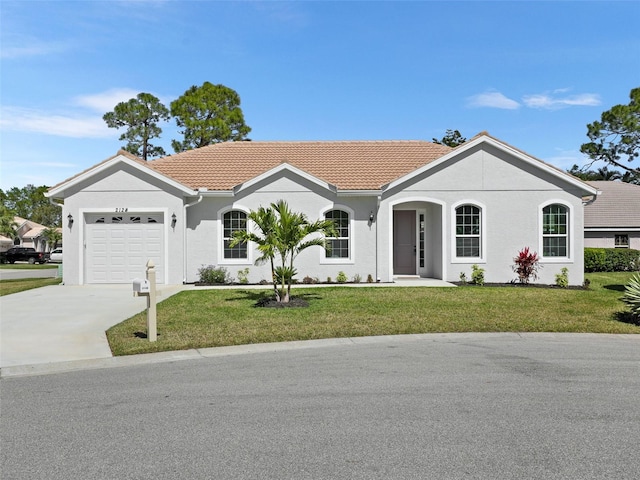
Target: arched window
pixel 234 221
pixel 339 245
pixel 468 231
pixel 555 231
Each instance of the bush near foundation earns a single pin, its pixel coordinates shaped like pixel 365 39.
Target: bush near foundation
pixel 611 260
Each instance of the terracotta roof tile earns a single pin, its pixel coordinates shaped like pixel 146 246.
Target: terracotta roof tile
pixel 349 165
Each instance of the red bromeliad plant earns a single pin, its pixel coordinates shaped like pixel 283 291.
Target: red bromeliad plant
pixel 526 265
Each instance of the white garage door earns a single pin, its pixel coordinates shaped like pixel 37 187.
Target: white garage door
pixel 119 246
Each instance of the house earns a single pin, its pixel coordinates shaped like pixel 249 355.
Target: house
pixel 403 208
pixel 28 234
pixel 613 221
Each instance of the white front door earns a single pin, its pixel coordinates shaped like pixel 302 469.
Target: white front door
pixel 118 246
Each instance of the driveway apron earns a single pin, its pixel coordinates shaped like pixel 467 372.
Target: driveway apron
pixel 62 323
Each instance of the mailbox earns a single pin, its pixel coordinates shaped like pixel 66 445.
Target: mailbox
pixel 141 286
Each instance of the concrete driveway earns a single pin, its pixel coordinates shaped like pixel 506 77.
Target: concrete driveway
pixel 61 323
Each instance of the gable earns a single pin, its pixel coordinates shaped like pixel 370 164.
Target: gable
pixel 489 165
pixel 118 173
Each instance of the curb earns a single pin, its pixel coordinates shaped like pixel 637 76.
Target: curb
pixel 212 352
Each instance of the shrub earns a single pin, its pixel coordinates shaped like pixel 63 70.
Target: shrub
pixel 329 280
pixel 243 276
pixel 562 278
pixel 309 280
pixel 526 265
pixel 214 275
pixel 463 278
pixel 477 275
pixel 611 260
pixel 369 278
pixel 632 295
pixel 287 272
pixel 356 278
pixel 342 277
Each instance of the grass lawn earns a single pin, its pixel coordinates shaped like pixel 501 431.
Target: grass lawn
pixel 208 318
pixel 7 287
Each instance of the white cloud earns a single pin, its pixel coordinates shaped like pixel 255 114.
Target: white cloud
pixel 32 49
pixel 82 118
pixel 552 102
pixel 565 159
pixel 492 100
pixel 106 101
pixel 65 125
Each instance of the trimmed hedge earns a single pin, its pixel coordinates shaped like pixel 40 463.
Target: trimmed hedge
pixel 611 260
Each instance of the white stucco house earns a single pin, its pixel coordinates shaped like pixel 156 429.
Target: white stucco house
pixel 404 208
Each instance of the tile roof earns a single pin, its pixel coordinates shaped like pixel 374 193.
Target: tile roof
pixel 349 165
pixel 617 206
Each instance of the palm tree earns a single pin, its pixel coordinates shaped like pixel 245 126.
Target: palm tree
pixel 8 224
pixel 291 237
pixel 264 220
pixel 52 236
pixel 605 174
pixel 285 233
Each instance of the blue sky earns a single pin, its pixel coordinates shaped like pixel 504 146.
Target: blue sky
pixel 533 74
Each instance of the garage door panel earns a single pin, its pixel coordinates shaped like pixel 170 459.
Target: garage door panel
pixel 118 252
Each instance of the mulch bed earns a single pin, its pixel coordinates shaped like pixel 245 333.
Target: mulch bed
pixel 294 302
pixel 523 285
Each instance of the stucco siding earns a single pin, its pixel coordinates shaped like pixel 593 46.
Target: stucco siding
pixel 607 239
pixel 205 236
pixel 120 191
pixel 511 198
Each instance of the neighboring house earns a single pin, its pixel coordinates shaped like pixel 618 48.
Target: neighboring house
pixel 403 208
pixel 28 234
pixel 613 220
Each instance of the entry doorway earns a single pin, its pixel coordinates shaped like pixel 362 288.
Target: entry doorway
pixel 404 242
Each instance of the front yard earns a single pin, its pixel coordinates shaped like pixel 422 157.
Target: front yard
pixel 209 318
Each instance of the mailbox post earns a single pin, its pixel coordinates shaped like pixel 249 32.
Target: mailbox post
pixel 152 330
pixel 147 288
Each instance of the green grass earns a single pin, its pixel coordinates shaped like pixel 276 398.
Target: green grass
pixel 7 287
pixel 208 318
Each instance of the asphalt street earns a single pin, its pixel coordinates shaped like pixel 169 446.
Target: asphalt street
pixel 14 274
pixel 459 406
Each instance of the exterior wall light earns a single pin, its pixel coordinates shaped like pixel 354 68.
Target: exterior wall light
pixel 371 217
pixel 70 219
pixel 174 219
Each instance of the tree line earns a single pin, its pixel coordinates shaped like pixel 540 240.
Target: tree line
pixel 31 204
pixel 211 113
pixel 206 114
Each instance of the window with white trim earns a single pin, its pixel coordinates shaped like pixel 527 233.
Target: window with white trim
pixel 233 221
pixel 468 231
pixel 338 245
pixel 622 240
pixel 555 231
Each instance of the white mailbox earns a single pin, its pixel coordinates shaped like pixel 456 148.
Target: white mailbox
pixel 141 286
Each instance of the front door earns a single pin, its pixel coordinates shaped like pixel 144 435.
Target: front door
pixel 404 242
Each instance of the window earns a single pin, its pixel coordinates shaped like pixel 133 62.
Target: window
pixel 468 231
pixel 555 231
pixel 234 221
pixel 622 241
pixel 339 245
